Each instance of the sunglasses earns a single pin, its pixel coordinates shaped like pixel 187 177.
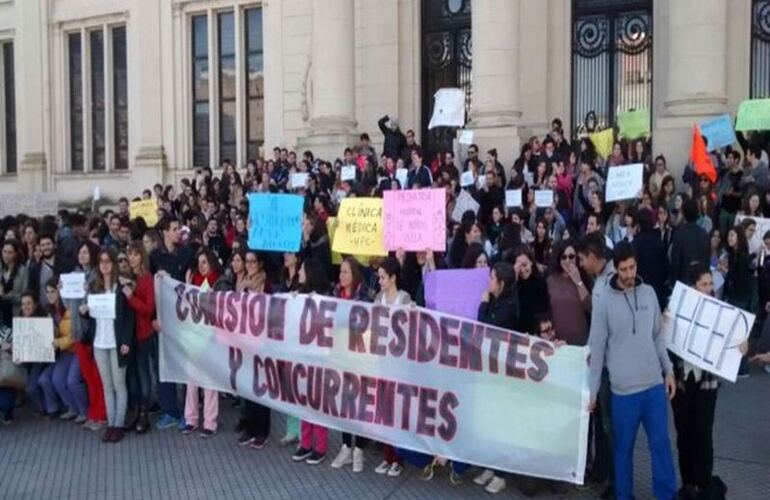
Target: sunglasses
pixel 568 256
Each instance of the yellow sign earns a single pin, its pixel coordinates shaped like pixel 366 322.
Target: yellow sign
pixel 603 142
pixel 331 227
pixel 146 209
pixel 359 227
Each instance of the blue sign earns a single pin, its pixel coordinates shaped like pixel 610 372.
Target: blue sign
pixel 275 222
pixel 718 131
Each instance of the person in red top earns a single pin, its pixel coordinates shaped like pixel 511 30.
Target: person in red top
pixel 208 272
pixel 141 298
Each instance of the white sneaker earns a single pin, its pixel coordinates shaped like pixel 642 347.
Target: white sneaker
pixel 484 477
pixel 382 468
pixel 496 485
pixel 343 458
pixel 395 470
pixel 358 459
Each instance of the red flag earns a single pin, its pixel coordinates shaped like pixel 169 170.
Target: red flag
pixel 700 156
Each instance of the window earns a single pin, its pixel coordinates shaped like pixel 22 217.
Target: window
pixel 98 99
pixel 231 104
pixel 255 88
pixel 8 107
pixel 760 50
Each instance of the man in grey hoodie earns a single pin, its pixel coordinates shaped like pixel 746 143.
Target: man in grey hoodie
pixel 626 337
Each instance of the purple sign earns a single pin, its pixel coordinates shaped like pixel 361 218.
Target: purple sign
pixel 456 291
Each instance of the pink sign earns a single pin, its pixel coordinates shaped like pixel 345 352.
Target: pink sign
pixel 415 219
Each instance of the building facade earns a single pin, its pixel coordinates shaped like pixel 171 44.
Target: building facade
pixel 122 94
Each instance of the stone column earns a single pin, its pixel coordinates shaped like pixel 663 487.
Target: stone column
pixel 333 96
pixel 495 108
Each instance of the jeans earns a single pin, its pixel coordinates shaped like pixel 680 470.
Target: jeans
pixel 61 381
pixel 603 462
pixel 34 391
pixel 694 420
pixel 140 386
pixel 650 408
pixel 7 401
pixel 168 397
pixel 114 382
pixel 256 418
pixel 347 439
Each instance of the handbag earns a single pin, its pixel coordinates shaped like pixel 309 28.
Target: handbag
pixel 11 375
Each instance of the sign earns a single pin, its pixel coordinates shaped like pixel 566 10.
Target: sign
pixel 331 227
pixel 450 390
pixel 466 137
pixel 275 222
pixel 603 141
pixel 466 179
pixel 33 340
pixel 624 182
pixel 513 198
pixel 464 203
pixel 97 193
pixel 634 124
pixel 101 305
pixel 73 285
pixel 753 114
pixel 543 198
pixel 402 174
pixel 718 131
pixel 146 209
pixel 32 204
pixel 448 108
pixel 348 173
pixel 415 219
pixel 456 291
pixel 298 180
pixel 707 332
pixel 360 227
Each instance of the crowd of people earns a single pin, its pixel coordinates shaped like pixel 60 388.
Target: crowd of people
pixel 579 272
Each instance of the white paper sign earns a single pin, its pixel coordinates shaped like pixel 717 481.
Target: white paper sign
pixel 481 182
pixel 101 305
pixel 466 179
pixel 73 285
pixel 33 340
pixel 624 182
pixel 513 198
pixel 401 176
pixel 466 137
pixel 348 173
pixel 706 332
pixel 97 193
pixel 543 198
pixel 298 180
pixel 464 203
pixel 448 108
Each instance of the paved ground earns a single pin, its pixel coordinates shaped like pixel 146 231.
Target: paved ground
pixel 54 460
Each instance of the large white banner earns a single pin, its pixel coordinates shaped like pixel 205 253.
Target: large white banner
pixel 407 376
pixel 706 332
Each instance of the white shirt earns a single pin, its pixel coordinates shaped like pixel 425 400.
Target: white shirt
pixel 105 332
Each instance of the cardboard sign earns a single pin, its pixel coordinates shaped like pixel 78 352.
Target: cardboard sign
pixel 456 291
pixel 634 124
pixel 513 198
pixel 603 142
pixel 360 227
pixel 146 209
pixel 101 305
pixel 415 219
pixel 298 180
pixel 464 203
pixel 466 179
pixel 73 285
pixel 718 131
pixel 466 137
pixel 275 222
pixel 753 114
pixel 448 108
pixel 33 340
pixel 331 227
pixel 402 174
pixel 624 182
pixel 348 173
pixel 544 198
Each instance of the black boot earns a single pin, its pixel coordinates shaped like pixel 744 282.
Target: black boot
pixel 131 418
pixel 143 424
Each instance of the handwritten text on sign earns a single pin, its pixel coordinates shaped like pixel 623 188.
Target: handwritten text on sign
pixel 707 332
pixel 409 377
pixel 275 222
pixel 624 182
pixel 360 227
pixel 415 220
pixel 33 340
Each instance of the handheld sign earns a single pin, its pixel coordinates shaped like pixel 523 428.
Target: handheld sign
pixel 331 227
pixel 624 182
pixel 513 198
pixel 464 203
pixel 360 227
pixel 298 180
pixel 275 222
pixel 543 198
pixel 753 114
pixel 348 173
pixel 603 141
pixel 634 124
pixel 101 305
pixel 33 340
pixel 456 291
pixel 401 176
pixel 146 209
pixel 466 179
pixel 706 332
pixel 718 131
pixel 466 137
pixel 73 285
pixel 415 219
pixel 448 108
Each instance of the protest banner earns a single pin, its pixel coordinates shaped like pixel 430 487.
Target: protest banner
pixel 348 173
pixel 33 340
pixel 401 375
pixel 464 203
pixel 146 209
pixel 331 227
pixel 298 180
pixel 603 141
pixel 456 291
pixel 32 204
pixel 633 124
pixel 101 305
pixel 448 108
pixel 753 114
pixel 466 179
pixel 718 131
pixel 624 182
pixel 415 219
pixel 73 285
pixel 360 227
pixel 544 198
pixel 706 332
pixel 466 137
pixel 402 174
pixel 513 198
pixel 275 222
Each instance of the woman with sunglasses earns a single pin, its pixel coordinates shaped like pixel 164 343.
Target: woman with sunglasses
pixel 569 297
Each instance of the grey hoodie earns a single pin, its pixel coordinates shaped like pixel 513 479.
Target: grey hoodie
pixel 626 337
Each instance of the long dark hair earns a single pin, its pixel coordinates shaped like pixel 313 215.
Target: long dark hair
pixel 506 275
pixel 316 280
pixel 392 267
pixel 355 270
pixel 97 284
pixel 558 252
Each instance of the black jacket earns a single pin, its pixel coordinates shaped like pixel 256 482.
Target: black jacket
pixel 125 328
pixel 690 244
pixel 652 262
pixel 395 141
pixel 174 263
pixel 502 311
pixel 533 301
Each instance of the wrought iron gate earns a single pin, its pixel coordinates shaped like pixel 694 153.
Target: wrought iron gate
pixel 446 61
pixel 611 59
pixel 760 49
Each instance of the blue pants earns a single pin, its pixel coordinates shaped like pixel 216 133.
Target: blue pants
pixel 61 381
pixel 649 407
pixel 168 397
pixel 7 401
